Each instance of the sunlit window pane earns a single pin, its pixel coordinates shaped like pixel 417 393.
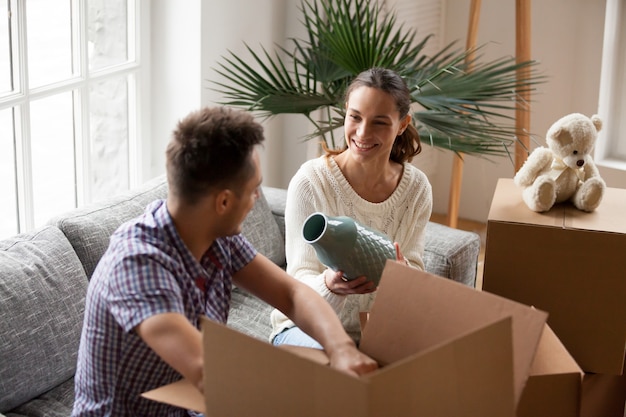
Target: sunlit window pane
pixel 65 138
pixel 52 143
pixel 8 208
pixel 108 121
pixel 5 49
pixel 107 33
pixel 49 27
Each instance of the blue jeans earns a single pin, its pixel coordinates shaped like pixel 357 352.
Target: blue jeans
pixel 295 336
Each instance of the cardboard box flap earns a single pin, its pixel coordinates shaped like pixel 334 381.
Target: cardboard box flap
pixel 555 382
pixel 415 310
pixel 507 204
pixel 471 375
pixel 552 357
pixel 180 394
pixel 312 354
pixel 265 377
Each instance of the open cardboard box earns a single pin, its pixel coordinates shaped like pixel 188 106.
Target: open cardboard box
pixel 568 263
pixel 444 349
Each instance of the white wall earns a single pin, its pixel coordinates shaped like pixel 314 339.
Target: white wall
pixel 190 37
pixel 175 71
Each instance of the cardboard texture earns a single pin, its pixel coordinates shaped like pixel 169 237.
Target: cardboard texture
pixel 568 263
pixel 278 382
pixel 180 394
pixel 553 388
pixel 445 350
pixel 603 395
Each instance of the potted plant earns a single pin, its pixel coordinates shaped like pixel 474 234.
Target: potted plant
pixel 461 103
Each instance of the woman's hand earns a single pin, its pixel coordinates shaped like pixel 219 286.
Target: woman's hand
pixel 337 284
pixel 399 257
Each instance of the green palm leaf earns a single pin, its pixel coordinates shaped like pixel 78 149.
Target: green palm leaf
pixel 464 105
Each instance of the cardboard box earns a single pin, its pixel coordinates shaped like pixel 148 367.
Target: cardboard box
pixel 568 263
pixel 444 349
pixel 554 386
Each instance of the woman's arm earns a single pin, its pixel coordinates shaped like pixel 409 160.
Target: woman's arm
pixel 410 231
pixel 304 198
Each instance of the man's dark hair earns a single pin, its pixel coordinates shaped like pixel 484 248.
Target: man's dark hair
pixel 211 149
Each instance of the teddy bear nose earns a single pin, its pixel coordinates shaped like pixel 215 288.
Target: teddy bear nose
pixel 580 162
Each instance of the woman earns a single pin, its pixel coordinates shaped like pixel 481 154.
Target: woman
pixel 372 181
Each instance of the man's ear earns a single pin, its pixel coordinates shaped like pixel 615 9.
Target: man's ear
pixel 223 201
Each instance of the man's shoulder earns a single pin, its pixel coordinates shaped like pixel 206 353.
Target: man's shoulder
pixel 144 236
pixel 149 227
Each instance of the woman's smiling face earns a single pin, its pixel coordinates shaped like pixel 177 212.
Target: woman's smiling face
pixel 372 123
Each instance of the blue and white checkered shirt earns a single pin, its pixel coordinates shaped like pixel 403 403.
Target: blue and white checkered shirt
pixel 146 270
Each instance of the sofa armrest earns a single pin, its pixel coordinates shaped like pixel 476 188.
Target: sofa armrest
pixel 452 253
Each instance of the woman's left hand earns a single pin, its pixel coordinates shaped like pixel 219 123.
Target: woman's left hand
pixel 338 285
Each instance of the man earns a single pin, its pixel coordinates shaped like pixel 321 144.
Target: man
pixel 177 262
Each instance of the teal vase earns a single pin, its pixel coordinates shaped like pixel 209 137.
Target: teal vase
pixel 343 244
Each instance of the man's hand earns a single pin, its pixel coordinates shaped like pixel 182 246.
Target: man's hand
pixel 347 358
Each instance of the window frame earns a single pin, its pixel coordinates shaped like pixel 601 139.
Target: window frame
pixel 612 103
pixel 135 71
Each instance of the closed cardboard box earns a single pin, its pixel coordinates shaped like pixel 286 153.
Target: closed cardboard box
pixel 444 350
pixel 569 263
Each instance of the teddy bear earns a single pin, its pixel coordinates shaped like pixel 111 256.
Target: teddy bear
pixel 564 170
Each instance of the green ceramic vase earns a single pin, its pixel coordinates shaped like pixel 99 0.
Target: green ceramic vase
pixel 343 244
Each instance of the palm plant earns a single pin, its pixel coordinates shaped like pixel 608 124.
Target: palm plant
pixel 455 108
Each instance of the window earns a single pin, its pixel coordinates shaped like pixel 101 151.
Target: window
pixel 68 106
pixel 611 146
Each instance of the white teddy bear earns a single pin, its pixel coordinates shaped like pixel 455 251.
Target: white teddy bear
pixel 564 171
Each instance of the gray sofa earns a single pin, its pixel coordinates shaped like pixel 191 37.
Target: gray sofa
pixel 44 276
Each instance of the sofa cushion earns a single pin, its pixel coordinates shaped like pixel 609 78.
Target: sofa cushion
pixel 250 315
pixel 88 229
pixel 277 199
pixel 57 402
pixel 261 229
pixel 42 297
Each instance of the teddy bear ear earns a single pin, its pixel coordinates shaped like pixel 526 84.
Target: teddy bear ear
pixel 562 136
pixel 597 122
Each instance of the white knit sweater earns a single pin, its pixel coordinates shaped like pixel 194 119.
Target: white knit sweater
pixel 319 185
